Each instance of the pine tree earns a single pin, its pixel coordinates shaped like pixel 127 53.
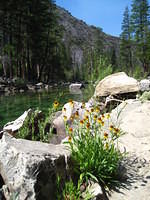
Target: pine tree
pixel 141 29
pixel 126 43
pixel 30 39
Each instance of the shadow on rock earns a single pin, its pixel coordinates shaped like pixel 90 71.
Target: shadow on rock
pixel 129 171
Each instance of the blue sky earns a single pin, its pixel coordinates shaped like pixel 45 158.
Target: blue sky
pixel 106 14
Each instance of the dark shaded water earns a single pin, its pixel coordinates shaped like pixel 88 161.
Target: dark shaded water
pixel 13 106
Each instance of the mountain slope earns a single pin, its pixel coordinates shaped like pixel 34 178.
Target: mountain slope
pixel 81 38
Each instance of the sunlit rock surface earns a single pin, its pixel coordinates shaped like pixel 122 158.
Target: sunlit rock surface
pixel 118 83
pixel 29 169
pixel 134 121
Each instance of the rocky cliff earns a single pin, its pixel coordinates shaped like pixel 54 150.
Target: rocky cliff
pixel 81 39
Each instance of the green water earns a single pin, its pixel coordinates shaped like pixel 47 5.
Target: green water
pixel 13 106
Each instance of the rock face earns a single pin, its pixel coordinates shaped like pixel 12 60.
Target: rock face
pixel 78 37
pixel 29 169
pixel 134 120
pixel 118 83
pixel 132 115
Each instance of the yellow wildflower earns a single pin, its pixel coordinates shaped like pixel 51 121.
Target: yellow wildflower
pixel 99 120
pixel 103 116
pixel 71 102
pixel 95 117
pixel 105 135
pixel 55 104
pixel 88 125
pixel 81 122
pixel 92 110
pixel 65 118
pixel 102 123
pixel 83 105
pixel 76 114
pixel 97 109
pixel 111 127
pixel 69 139
pixel 108 116
pixel 116 131
pixel 70 130
pixel 86 117
pixel 72 118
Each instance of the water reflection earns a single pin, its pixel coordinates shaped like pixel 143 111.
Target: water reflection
pixel 12 106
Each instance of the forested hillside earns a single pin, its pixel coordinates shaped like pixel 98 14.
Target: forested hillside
pixel 40 41
pixel 88 46
pixel 30 39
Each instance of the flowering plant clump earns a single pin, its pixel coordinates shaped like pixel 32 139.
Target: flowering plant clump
pixel 94 146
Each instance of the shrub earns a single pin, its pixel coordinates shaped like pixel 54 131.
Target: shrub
pixel 94 150
pixel 33 128
pixel 36 127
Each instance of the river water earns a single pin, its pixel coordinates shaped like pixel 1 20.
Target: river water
pixel 12 106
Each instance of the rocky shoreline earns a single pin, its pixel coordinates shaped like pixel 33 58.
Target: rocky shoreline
pixel 29 168
pixel 16 85
pixel 11 86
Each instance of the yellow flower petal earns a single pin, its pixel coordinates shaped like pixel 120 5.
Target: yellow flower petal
pixel 55 104
pixel 69 139
pixel 65 118
pixel 70 130
pixel 108 116
pixel 105 135
pixel 88 125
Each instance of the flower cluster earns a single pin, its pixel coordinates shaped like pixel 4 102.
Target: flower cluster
pixel 93 122
pixel 92 138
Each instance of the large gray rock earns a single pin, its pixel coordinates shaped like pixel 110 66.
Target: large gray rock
pixel 118 83
pixel 29 169
pixel 133 118
pixel 134 121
